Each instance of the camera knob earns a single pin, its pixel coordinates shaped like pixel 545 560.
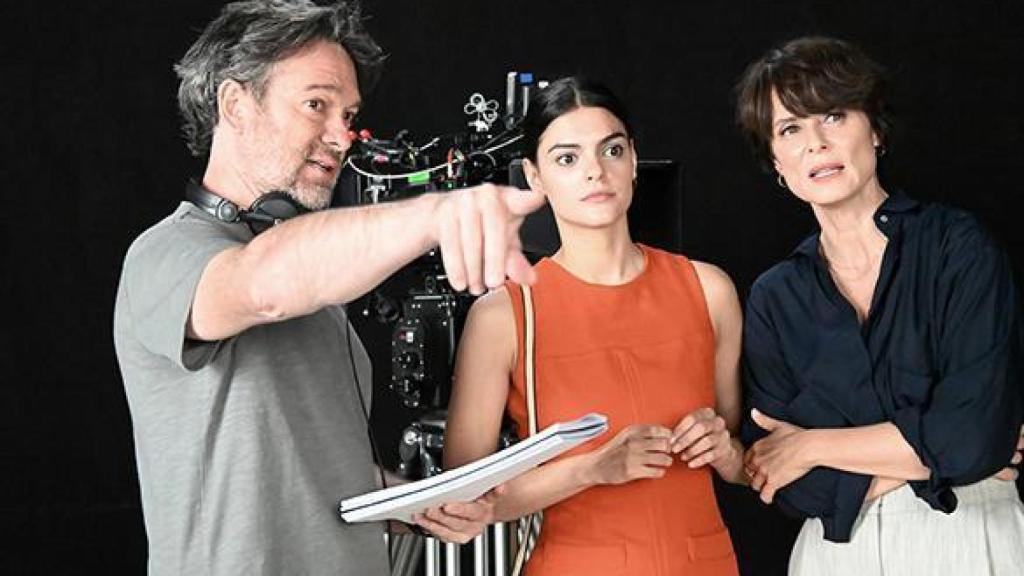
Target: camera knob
pixel 409 360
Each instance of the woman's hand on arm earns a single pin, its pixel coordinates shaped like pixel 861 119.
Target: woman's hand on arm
pixel 781 457
pixel 789 452
pixel 1010 473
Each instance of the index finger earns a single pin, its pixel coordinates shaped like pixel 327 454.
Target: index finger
pixel 521 202
pixel 494 221
pixel 703 413
pixel 684 425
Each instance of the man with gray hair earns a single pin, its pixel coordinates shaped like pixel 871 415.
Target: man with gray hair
pixel 245 381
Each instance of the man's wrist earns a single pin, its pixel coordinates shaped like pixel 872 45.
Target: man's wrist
pixel 428 205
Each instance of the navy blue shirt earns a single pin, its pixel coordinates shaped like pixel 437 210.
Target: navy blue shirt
pixel 939 356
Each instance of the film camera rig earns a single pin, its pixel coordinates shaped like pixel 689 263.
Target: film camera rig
pixel 415 319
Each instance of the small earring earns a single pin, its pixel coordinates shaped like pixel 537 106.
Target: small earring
pixel 880 150
pixel 781 181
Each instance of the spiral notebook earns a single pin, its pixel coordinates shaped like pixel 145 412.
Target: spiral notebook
pixel 472 480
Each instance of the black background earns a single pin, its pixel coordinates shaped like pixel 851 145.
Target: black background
pixel 92 157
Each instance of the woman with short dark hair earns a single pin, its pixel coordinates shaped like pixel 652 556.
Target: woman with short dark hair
pixel 883 356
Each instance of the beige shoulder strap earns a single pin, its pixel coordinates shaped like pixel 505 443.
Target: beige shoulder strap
pixel 528 350
pixel 528 526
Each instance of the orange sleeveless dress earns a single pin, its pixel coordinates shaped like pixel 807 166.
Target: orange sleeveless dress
pixel 640 353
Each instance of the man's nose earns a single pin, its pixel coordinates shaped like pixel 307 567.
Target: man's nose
pixel 339 136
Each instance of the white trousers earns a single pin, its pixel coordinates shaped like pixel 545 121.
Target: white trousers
pixel 898 534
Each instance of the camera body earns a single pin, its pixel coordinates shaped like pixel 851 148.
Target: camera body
pixel 424 339
pixel 411 323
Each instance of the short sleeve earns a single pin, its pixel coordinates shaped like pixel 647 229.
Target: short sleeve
pixel 161 272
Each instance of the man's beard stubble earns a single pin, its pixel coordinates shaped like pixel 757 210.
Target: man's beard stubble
pixel 311 196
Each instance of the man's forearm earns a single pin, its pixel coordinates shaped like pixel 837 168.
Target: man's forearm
pixel 336 256
pixel 306 263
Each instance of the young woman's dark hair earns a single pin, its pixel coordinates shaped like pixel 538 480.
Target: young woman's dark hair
pixel 812 75
pixel 565 95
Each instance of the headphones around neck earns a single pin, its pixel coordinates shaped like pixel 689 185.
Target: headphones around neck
pixel 266 211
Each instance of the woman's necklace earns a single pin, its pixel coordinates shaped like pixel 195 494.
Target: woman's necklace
pixel 857 283
pixel 854 273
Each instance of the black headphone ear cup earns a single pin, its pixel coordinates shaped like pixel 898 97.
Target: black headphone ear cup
pixel 220 208
pixel 270 209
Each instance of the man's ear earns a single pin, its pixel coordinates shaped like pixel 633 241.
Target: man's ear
pixel 234 103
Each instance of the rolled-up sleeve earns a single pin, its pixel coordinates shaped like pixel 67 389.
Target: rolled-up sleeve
pixel 833 496
pixel 968 429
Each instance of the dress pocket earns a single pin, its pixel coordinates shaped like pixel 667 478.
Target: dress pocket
pixel 706 547
pixel 580 560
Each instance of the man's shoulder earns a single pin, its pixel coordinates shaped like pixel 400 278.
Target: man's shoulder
pixel 156 232
pixel 187 229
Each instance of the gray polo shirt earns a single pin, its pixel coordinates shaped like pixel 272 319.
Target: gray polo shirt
pixel 246 445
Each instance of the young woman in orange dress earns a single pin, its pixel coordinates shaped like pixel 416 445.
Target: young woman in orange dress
pixel 648 338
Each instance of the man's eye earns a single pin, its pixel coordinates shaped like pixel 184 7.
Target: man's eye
pixel 565 159
pixel 315 105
